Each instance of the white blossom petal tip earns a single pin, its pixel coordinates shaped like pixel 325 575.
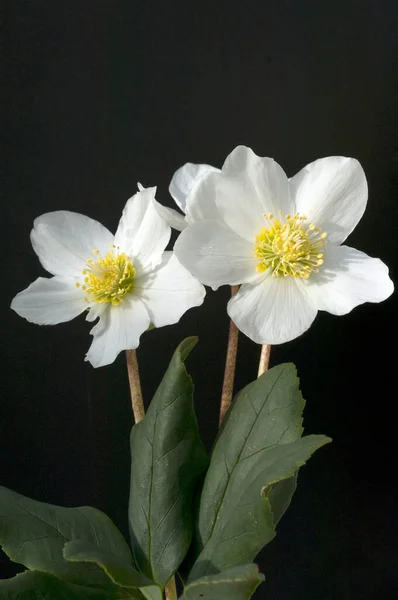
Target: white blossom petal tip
pixel 63 240
pixel 333 193
pixel 49 301
pixel 348 278
pixel 173 218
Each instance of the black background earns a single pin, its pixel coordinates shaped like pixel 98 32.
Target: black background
pixel 100 95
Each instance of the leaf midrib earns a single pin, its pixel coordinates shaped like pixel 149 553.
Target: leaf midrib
pixel 230 473
pixel 153 465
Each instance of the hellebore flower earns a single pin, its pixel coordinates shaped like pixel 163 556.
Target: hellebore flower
pixel 127 280
pixel 281 239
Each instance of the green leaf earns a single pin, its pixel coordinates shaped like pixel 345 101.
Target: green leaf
pixel 250 481
pixel 238 583
pixel 120 572
pixel 168 459
pixel 280 496
pixel 34 585
pixel 34 533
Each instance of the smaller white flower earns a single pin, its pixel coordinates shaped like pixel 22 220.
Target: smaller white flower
pixel 183 181
pixel 126 280
pixel 281 240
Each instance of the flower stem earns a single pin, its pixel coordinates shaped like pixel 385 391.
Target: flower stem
pixel 171 590
pixel 135 385
pixel 264 359
pixel 230 363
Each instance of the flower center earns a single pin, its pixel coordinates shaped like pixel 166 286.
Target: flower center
pixel 289 246
pixel 109 278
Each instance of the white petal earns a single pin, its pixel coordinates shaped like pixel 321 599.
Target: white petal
pixel 274 311
pixel 95 311
pixel 348 278
pixel 215 254
pixel 248 187
pixel 50 301
pixel 229 199
pixel 64 241
pixel 175 219
pixel 184 179
pixel 169 291
pixel 201 202
pixel 119 328
pixel 261 177
pixel 332 192
pixel 142 233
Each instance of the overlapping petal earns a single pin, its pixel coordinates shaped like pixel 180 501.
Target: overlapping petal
pixel 247 187
pixel 173 218
pixel 50 301
pixel 169 291
pixel 184 180
pixel 64 241
pixel 215 254
pixel 201 202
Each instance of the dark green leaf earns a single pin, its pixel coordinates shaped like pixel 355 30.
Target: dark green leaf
pixel 238 583
pixel 168 459
pixel 280 496
pixel 34 585
pixel 251 480
pixel 120 572
pixel 34 533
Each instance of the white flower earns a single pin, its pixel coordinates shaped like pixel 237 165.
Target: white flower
pixel 281 239
pixel 183 181
pixel 126 280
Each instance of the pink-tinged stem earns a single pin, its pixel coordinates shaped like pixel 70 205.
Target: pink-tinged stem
pixel 135 385
pixel 230 364
pixel 264 359
pixel 170 590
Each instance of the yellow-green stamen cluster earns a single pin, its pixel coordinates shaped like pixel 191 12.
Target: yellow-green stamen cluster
pixel 289 246
pixel 109 278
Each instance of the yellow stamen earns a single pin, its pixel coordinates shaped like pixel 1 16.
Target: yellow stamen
pixel 109 278
pixel 289 247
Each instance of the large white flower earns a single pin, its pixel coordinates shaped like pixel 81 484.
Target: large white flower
pixel 182 183
pixel 126 280
pixel 280 238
